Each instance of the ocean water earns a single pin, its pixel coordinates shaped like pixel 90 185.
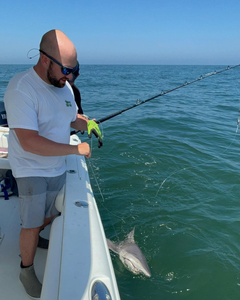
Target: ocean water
pixel 171 169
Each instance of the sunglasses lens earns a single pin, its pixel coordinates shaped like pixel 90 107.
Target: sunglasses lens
pixel 66 71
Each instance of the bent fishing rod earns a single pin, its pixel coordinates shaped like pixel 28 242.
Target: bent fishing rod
pixel 139 102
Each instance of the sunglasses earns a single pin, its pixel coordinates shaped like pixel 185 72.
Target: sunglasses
pixel 65 70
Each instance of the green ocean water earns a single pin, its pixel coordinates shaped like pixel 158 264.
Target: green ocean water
pixel 170 168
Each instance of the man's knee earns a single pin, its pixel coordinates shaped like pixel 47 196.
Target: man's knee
pixel 35 230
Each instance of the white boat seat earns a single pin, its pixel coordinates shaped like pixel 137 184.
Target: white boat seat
pixel 60 199
pixel 4 164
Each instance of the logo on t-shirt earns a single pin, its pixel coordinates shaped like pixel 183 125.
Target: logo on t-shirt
pixel 68 103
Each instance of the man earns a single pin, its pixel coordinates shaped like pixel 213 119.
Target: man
pixel 78 99
pixel 76 92
pixel 41 110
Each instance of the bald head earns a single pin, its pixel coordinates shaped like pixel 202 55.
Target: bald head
pixel 56 44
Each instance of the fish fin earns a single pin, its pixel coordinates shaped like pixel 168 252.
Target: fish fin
pixel 112 246
pixel 130 236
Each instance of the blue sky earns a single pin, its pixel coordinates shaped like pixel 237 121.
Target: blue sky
pixel 126 31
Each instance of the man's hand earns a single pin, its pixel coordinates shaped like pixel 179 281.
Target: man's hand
pixel 93 128
pixel 84 149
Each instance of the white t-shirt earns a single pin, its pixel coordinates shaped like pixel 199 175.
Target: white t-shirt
pixel 33 104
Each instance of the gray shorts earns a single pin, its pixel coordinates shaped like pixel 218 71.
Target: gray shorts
pixel 37 198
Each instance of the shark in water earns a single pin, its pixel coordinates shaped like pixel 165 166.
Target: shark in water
pixel 130 255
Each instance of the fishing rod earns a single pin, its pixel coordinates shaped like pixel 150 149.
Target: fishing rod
pixel 139 102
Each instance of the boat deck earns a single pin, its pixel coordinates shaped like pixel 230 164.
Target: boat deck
pixel 10 285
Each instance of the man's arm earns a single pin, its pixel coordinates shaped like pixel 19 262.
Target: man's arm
pixel 80 123
pixel 32 142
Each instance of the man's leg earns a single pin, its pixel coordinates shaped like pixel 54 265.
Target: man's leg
pixel 55 184
pixel 32 198
pixel 42 242
pixel 28 245
pixel 46 222
pixel 29 240
pixel 35 202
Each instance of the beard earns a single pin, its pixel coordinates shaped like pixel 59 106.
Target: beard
pixel 52 78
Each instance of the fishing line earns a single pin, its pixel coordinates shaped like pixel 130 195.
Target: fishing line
pixel 103 200
pixel 201 164
pixel 110 213
pixel 100 191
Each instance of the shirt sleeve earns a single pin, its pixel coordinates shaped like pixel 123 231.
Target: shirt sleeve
pixel 21 110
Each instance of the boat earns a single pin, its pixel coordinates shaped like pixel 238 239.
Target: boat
pixel 77 264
